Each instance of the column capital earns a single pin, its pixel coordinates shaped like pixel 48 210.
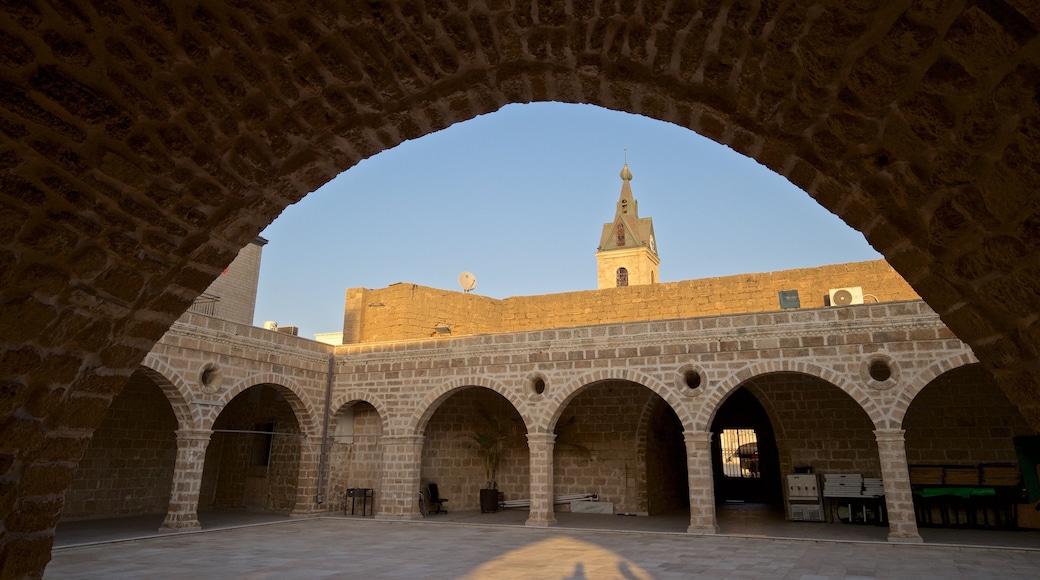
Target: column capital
pixel 541 438
pixel 890 434
pixel 697 437
pixel 194 434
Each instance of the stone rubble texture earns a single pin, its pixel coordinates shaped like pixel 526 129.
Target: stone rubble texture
pixel 143 144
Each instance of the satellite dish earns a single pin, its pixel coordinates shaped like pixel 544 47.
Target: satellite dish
pixel 467 281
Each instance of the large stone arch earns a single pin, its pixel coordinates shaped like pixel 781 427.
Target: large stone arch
pixel 428 405
pixel 716 395
pixel 310 424
pixel 558 403
pixel 144 145
pixel 361 396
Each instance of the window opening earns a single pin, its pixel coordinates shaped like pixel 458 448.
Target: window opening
pixel 622 277
pixel 620 235
pixel 740 453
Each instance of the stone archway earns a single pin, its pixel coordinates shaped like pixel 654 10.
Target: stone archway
pixel 142 146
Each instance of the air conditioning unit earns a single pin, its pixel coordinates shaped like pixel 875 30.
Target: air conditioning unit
pixel 846 296
pixel 270 325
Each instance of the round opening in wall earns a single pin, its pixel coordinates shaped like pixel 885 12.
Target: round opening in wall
pixel 535 385
pixel 209 379
pixel 692 379
pixel 880 371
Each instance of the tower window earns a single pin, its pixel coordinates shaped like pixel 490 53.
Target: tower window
pixel 620 235
pixel 624 206
pixel 622 277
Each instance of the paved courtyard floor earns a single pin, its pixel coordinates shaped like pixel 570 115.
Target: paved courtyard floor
pixel 466 545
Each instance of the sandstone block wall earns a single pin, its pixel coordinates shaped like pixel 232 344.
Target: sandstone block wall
pixel 410 311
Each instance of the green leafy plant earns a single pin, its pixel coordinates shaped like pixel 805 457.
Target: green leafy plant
pixel 491 438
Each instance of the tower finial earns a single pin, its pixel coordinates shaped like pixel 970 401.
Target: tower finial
pixel 626 174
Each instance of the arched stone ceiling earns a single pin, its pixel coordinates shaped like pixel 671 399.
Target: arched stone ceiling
pixel 143 142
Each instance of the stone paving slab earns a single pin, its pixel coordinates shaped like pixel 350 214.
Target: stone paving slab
pixel 354 548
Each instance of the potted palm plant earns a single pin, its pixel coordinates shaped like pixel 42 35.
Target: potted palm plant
pixel 491 438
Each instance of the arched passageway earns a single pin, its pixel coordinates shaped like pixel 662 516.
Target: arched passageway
pixel 129 465
pixel 963 437
pixel 475 440
pixel 137 159
pixel 253 458
pixel 355 455
pixel 812 426
pixel 745 461
pixel 621 441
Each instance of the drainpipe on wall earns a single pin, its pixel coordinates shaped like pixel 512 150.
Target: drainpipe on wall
pixel 325 432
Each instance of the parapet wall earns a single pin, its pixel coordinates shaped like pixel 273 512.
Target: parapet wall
pixel 409 311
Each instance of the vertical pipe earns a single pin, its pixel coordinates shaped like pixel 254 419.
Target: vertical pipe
pixel 322 457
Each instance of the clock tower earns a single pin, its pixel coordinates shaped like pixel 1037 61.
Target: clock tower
pixel 627 254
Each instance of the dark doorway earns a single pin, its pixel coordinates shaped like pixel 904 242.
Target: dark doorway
pixel 745 461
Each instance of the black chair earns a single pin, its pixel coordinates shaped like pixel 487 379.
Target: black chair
pixel 435 500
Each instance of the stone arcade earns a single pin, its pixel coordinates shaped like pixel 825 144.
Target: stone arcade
pixel 143 144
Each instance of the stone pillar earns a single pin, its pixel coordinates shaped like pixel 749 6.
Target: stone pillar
pixel 541 447
pixel 183 512
pixel 402 462
pixel 702 485
pixel 899 500
pixel 307 479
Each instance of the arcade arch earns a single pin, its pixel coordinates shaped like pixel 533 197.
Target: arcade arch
pixel 355 452
pixel 254 455
pixel 463 427
pixel 622 441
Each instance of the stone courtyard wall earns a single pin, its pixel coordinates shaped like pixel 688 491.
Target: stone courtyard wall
pixel 410 311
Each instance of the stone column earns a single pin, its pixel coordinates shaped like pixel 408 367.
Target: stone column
pixel 183 512
pixel 402 462
pixel 702 485
pixel 307 479
pixel 541 447
pixel 899 500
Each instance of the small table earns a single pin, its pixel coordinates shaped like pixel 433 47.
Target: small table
pixel 362 493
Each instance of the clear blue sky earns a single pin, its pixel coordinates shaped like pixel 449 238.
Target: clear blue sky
pixel 519 197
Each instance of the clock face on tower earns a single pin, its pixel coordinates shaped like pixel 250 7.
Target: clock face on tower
pixel 653 245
